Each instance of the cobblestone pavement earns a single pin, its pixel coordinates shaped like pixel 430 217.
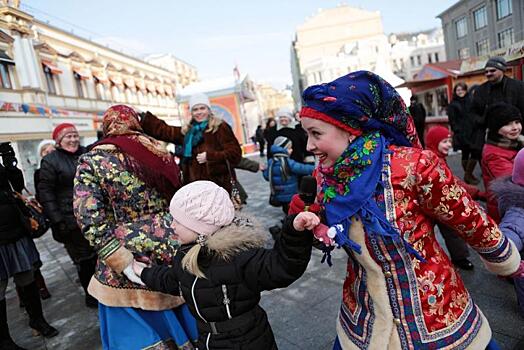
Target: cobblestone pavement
pixel 302 316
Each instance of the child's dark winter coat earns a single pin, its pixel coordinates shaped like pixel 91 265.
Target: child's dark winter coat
pixel 237 270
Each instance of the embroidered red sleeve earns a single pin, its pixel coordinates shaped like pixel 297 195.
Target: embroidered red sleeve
pixel 442 198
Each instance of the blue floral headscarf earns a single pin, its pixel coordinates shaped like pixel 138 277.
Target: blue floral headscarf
pixel 365 105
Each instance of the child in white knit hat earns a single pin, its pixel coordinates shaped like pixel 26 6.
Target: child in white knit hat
pixel 223 266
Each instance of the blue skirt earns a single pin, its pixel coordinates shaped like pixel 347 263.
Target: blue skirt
pixel 127 328
pixel 19 256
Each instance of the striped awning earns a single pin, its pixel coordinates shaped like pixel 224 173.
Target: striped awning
pixel 51 67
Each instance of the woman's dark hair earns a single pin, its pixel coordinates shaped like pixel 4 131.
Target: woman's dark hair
pixel 463 85
pixel 269 120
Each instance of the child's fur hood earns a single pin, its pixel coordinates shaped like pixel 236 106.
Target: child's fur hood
pixel 508 194
pixel 241 235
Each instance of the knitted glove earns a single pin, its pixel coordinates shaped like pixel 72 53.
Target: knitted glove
pixel 297 205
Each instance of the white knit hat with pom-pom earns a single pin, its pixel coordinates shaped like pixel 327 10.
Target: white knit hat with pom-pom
pixel 202 206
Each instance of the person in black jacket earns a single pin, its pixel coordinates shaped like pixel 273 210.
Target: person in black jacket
pixel 418 112
pixel 465 133
pixel 55 189
pixel 270 133
pixel 497 88
pixel 223 267
pixel 18 253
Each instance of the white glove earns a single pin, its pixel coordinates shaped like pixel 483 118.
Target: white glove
pixel 132 276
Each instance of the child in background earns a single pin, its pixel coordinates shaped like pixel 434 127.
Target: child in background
pixel 283 173
pixel 509 192
pixel 503 141
pixel 439 140
pixel 223 267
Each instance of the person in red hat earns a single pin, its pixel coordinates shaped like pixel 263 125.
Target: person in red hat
pixel 57 172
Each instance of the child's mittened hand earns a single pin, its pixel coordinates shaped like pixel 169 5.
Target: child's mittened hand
pixel 305 221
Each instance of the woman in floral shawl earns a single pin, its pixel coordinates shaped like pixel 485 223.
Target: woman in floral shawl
pixel 122 192
pixel 381 194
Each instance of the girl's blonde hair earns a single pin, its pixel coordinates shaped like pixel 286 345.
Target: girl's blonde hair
pixel 190 261
pixel 212 124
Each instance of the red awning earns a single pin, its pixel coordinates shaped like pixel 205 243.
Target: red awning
pixel 51 67
pixel 101 77
pixel 422 83
pixel 130 83
pixel 169 91
pixel 83 74
pixel 141 85
pixel 116 80
pixel 151 87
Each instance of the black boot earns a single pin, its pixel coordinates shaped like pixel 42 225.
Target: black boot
pixel 40 283
pixel 33 306
pixel 469 178
pixel 6 342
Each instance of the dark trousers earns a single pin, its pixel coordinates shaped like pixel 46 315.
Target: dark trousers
pixel 86 269
pixel 458 249
pixel 470 153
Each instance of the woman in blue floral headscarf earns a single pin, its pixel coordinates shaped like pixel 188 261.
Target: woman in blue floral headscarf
pixel 382 194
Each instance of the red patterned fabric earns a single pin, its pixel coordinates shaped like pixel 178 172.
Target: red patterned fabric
pixel 430 304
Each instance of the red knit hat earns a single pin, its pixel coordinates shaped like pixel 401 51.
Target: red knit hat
pixel 434 136
pixel 61 130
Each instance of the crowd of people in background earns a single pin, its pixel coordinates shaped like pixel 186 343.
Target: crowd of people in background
pixel 124 209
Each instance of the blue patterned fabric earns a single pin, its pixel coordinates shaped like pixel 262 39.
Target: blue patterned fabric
pixel 126 328
pixel 363 100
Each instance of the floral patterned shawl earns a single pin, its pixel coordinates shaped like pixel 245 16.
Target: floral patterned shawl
pixel 144 156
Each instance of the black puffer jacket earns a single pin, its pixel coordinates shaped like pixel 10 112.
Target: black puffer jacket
pixel 237 270
pixel 11 225
pixel 464 124
pixel 57 173
pixel 508 90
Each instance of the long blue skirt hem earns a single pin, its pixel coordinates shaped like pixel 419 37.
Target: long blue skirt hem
pixel 127 328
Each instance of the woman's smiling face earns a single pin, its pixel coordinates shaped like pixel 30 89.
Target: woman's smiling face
pixel 326 141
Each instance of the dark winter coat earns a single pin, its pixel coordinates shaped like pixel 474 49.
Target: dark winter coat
pixel 221 147
pixel 270 134
pixel 418 112
pixel 284 177
pixel 237 270
pixel 508 90
pixel 463 124
pixel 510 198
pixel 12 227
pixel 57 173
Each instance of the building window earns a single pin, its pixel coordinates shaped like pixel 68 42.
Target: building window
pixel 436 57
pixel 480 18
pixel 5 79
pixel 463 53
pixel 412 60
pixel 482 47
pixel 504 8
pixel 419 60
pixel 505 38
pixel 100 90
pixel 79 85
pixel 461 27
pixel 50 81
pixel 430 59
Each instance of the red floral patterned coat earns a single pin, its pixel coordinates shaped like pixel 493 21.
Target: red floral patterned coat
pixel 391 300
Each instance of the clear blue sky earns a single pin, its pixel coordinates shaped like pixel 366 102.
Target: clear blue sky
pixel 214 35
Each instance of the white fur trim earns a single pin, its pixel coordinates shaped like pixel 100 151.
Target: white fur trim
pixel 507 267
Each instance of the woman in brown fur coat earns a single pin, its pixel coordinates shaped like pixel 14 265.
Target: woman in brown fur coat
pixel 210 149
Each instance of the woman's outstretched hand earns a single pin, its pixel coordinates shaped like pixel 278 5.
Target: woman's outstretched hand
pixel 138 266
pixel 305 221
